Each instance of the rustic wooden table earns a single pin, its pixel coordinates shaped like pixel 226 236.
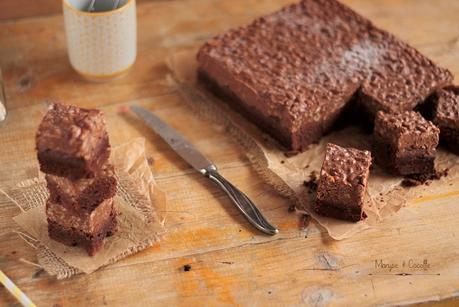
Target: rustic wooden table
pixel 230 263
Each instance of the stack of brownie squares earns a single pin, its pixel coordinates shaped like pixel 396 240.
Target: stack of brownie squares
pixel 73 151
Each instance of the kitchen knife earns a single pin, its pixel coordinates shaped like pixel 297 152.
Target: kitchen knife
pixel 199 162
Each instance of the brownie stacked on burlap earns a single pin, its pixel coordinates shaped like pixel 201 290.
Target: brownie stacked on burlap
pixel 73 150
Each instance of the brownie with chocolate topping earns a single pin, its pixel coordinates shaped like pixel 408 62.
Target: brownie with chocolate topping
pixel 295 71
pixel 405 143
pixel 85 193
pixel 72 142
pixel 446 116
pixel 343 182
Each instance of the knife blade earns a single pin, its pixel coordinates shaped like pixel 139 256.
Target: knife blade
pixel 199 162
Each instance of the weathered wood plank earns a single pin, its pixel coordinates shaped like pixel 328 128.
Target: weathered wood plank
pixel 32 8
pixel 231 264
pixel 28 8
pixel 277 272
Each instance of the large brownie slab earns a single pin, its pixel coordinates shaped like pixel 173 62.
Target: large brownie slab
pixel 72 142
pixel 405 142
pixel 85 194
pixel 446 116
pixel 293 72
pixel 342 184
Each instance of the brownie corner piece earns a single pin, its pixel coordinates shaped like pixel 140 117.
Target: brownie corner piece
pixel 405 143
pixel 446 116
pixel 342 184
pixel 72 142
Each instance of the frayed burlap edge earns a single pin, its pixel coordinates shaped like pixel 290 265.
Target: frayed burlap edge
pixel 31 193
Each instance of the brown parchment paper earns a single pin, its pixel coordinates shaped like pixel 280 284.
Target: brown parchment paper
pixel 385 196
pixel 140 222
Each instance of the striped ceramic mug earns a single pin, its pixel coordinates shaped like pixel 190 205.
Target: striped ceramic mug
pixel 101 36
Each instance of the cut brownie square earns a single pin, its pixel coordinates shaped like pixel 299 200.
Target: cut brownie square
pixel 342 184
pixel 405 142
pixel 294 72
pixel 86 193
pixel 72 142
pixel 89 221
pixel 446 117
pixel 88 229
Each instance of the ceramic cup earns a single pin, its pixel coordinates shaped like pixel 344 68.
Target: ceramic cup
pixel 101 44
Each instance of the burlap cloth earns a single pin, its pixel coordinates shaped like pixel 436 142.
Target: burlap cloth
pixel 286 173
pixel 140 223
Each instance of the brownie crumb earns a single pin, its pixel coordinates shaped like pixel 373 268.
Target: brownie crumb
pixel 311 184
pixel 187 267
pixel 409 182
pixel 291 208
pixel 416 180
pixel 304 222
pixel 291 153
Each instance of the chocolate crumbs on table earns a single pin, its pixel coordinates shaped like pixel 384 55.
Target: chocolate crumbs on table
pixel 187 267
pixel 311 184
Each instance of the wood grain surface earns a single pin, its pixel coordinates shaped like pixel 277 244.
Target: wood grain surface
pixel 230 263
pixel 13 9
